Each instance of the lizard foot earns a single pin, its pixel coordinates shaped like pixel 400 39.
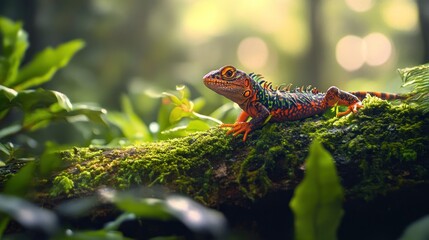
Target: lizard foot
pixel 352 108
pixel 237 128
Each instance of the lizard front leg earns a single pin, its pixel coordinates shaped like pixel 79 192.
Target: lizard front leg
pixel 260 113
pixel 336 96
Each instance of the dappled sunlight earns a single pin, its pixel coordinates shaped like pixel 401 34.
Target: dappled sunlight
pixel 400 14
pixel 293 37
pixel 352 52
pixel 204 19
pixel 253 53
pixel 360 5
pixel 378 49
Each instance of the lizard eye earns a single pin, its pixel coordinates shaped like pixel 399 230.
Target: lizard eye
pixel 228 72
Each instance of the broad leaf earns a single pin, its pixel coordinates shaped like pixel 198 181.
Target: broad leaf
pixel 28 214
pixel 45 64
pixel 6 96
pixel 14 44
pixel 129 122
pixel 19 184
pixel 96 235
pixel 30 100
pixel 317 200
pixel 4 221
pixel 184 130
pixel 197 217
pixel 9 130
pixel 94 114
pixel 147 207
pixel 50 159
pixel 178 113
pixel 418 230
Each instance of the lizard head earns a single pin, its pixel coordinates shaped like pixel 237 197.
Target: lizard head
pixel 230 83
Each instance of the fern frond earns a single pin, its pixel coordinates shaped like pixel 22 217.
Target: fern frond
pixel 418 78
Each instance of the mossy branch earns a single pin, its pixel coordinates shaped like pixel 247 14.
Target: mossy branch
pixel 381 149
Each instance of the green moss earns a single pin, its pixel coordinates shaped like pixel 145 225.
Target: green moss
pixel 380 140
pixel 62 184
pixel 381 146
pixel 176 163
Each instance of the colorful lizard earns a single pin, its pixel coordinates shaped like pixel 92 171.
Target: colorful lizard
pixel 263 103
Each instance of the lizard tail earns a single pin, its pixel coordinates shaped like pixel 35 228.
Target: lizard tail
pixel 385 96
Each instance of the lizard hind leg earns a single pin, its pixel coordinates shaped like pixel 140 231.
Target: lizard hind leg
pixel 336 96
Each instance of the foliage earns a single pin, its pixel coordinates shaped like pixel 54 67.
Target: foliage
pixel 418 78
pixel 133 204
pixel 418 230
pixel 177 117
pixel 183 108
pixel 317 200
pixel 132 127
pixel 39 106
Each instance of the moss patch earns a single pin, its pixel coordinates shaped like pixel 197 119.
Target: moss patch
pixel 379 149
pixel 176 163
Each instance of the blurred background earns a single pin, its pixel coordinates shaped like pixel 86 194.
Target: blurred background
pixel 136 47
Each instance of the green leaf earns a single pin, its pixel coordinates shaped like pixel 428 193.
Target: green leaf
pixel 317 200
pixel 178 113
pixel 184 130
pixel 129 122
pixel 6 96
pixel 418 230
pixel 183 91
pixel 94 114
pixel 138 125
pixel 50 159
pixel 29 100
pixel 29 215
pixel 14 45
pixel 173 98
pixel 224 110
pixel 4 221
pixel 199 103
pixel 9 130
pixel 115 224
pixel 37 119
pixel 96 235
pixel 208 220
pixel 20 183
pixel 147 207
pixel 418 78
pixel 45 64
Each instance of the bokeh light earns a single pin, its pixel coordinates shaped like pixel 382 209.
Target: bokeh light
pixel 360 5
pixel 349 52
pixel 352 52
pixel 201 20
pixel 400 14
pixel 378 49
pixel 252 53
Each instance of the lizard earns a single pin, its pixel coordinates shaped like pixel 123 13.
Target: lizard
pixel 262 102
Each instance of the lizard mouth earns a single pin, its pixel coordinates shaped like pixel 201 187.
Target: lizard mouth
pixel 214 81
pixel 220 86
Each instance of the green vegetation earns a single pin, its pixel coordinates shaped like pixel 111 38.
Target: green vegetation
pixel 317 200
pixel 40 107
pixel 381 149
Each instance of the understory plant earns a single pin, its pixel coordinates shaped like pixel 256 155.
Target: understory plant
pixel 24 105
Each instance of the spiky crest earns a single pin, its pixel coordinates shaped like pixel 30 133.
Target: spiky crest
pixel 266 85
